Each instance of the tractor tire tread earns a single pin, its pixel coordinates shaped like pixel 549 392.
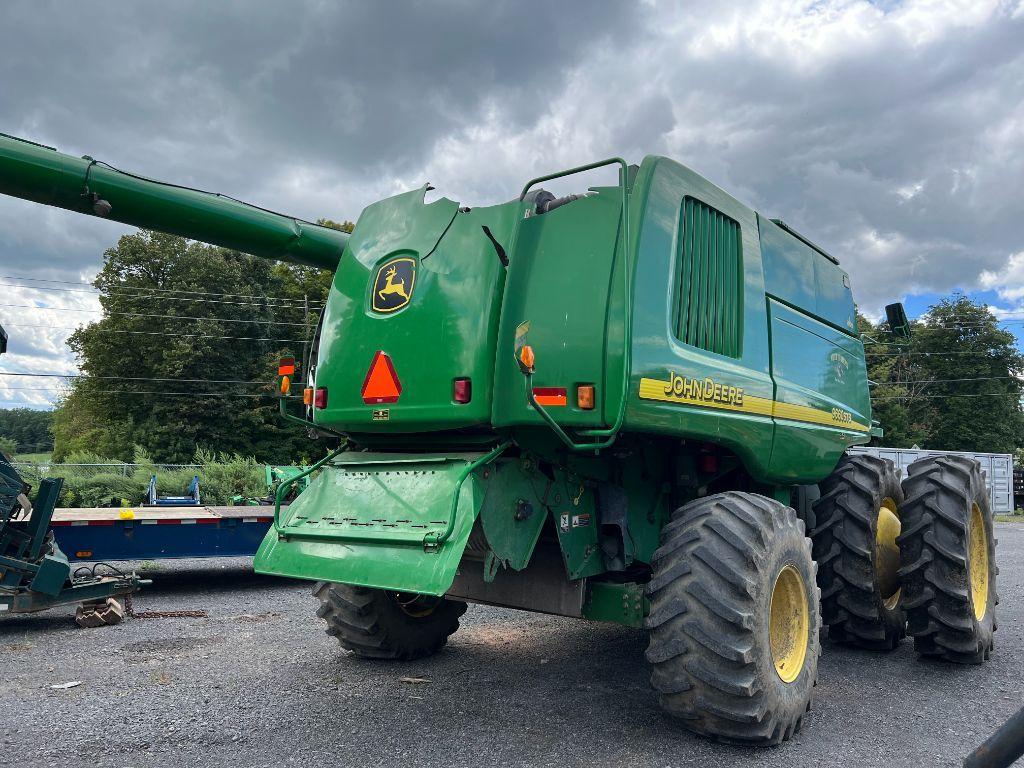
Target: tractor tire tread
pixel 703 622
pixel 940 491
pixel 369 622
pixel 844 550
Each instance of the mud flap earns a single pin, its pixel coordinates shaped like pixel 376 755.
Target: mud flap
pixel 378 520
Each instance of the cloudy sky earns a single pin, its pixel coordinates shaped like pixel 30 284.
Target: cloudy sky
pixel 890 132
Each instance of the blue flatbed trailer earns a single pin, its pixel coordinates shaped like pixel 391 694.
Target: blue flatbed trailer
pixel 159 533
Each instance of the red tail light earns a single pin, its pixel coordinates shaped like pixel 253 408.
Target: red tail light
pixel 320 398
pixel 462 390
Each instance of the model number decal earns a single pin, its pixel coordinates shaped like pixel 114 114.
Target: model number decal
pixel 842 417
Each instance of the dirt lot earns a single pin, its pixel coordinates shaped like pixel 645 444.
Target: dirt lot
pixel 257 682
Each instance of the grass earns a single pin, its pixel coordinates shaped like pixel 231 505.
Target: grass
pixel 1016 517
pixel 33 458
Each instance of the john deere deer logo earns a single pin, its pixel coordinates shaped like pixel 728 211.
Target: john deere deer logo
pixel 393 287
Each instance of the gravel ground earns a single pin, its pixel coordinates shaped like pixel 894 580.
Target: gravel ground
pixel 258 683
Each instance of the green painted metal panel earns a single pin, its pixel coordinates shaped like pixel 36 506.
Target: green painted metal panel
pixel 804 278
pixel 446 330
pixel 560 278
pixel 364 520
pixel 44 175
pixel 618 603
pixel 576 522
pixel 513 512
pixel 822 400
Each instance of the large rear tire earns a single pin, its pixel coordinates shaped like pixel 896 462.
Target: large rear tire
pixel 857 525
pixel 734 618
pixel 377 624
pixel 949 571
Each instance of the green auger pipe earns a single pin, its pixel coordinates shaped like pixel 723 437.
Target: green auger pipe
pixel 43 175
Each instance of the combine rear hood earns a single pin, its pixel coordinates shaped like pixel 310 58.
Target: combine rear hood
pixel 418 291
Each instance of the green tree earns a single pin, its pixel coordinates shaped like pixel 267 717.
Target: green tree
pixel 955 386
pixel 7 446
pixel 28 428
pixel 185 354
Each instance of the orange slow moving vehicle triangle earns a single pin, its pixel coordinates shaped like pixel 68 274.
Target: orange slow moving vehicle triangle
pixel 381 384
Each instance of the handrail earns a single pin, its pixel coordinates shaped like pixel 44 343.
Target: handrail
pixel 283 487
pixel 433 540
pixel 627 326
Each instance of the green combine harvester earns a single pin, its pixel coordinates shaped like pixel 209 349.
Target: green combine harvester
pixel 630 405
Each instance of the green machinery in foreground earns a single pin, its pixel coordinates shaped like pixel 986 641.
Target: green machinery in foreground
pixel 34 573
pixel 630 404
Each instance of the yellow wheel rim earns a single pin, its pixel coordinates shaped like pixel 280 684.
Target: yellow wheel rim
pixel 416 606
pixel 977 563
pixel 887 553
pixel 788 623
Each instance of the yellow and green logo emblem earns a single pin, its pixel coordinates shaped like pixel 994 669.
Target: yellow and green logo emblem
pixel 392 288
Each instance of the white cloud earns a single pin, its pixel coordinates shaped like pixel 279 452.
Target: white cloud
pixel 1007 282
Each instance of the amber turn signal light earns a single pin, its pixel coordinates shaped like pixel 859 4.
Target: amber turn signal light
pixel 307 396
pixel 526 358
pixel 585 397
pixel 286 384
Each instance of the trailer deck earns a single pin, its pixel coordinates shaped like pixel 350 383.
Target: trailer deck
pixel 157 533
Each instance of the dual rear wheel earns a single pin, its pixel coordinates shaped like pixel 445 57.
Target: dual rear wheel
pixel 735 604
pixel 917 560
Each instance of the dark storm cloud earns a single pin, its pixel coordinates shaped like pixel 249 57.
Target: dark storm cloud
pixel 892 133
pixel 229 91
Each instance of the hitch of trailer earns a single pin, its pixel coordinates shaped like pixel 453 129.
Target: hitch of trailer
pixel 88 589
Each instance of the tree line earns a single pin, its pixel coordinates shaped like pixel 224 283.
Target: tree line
pixel 185 355
pixel 24 430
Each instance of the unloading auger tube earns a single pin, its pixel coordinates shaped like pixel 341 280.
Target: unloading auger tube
pixel 43 175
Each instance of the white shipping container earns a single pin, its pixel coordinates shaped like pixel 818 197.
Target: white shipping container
pixel 998 469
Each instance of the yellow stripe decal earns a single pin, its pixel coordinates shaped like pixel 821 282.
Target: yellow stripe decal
pixel 707 393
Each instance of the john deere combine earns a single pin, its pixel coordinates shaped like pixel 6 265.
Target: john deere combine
pixel 614 405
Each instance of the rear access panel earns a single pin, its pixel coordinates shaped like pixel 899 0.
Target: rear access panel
pixel 370 519
pixel 560 281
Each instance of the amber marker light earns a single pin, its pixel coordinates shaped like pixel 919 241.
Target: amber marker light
pixel 286 384
pixel 526 358
pixel 307 396
pixel 585 397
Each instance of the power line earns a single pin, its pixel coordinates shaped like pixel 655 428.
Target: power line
pixel 1017 395
pixel 254 301
pixel 943 381
pixel 133 378
pixel 160 333
pixel 933 354
pixel 143 314
pixel 147 392
pixel 188 292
